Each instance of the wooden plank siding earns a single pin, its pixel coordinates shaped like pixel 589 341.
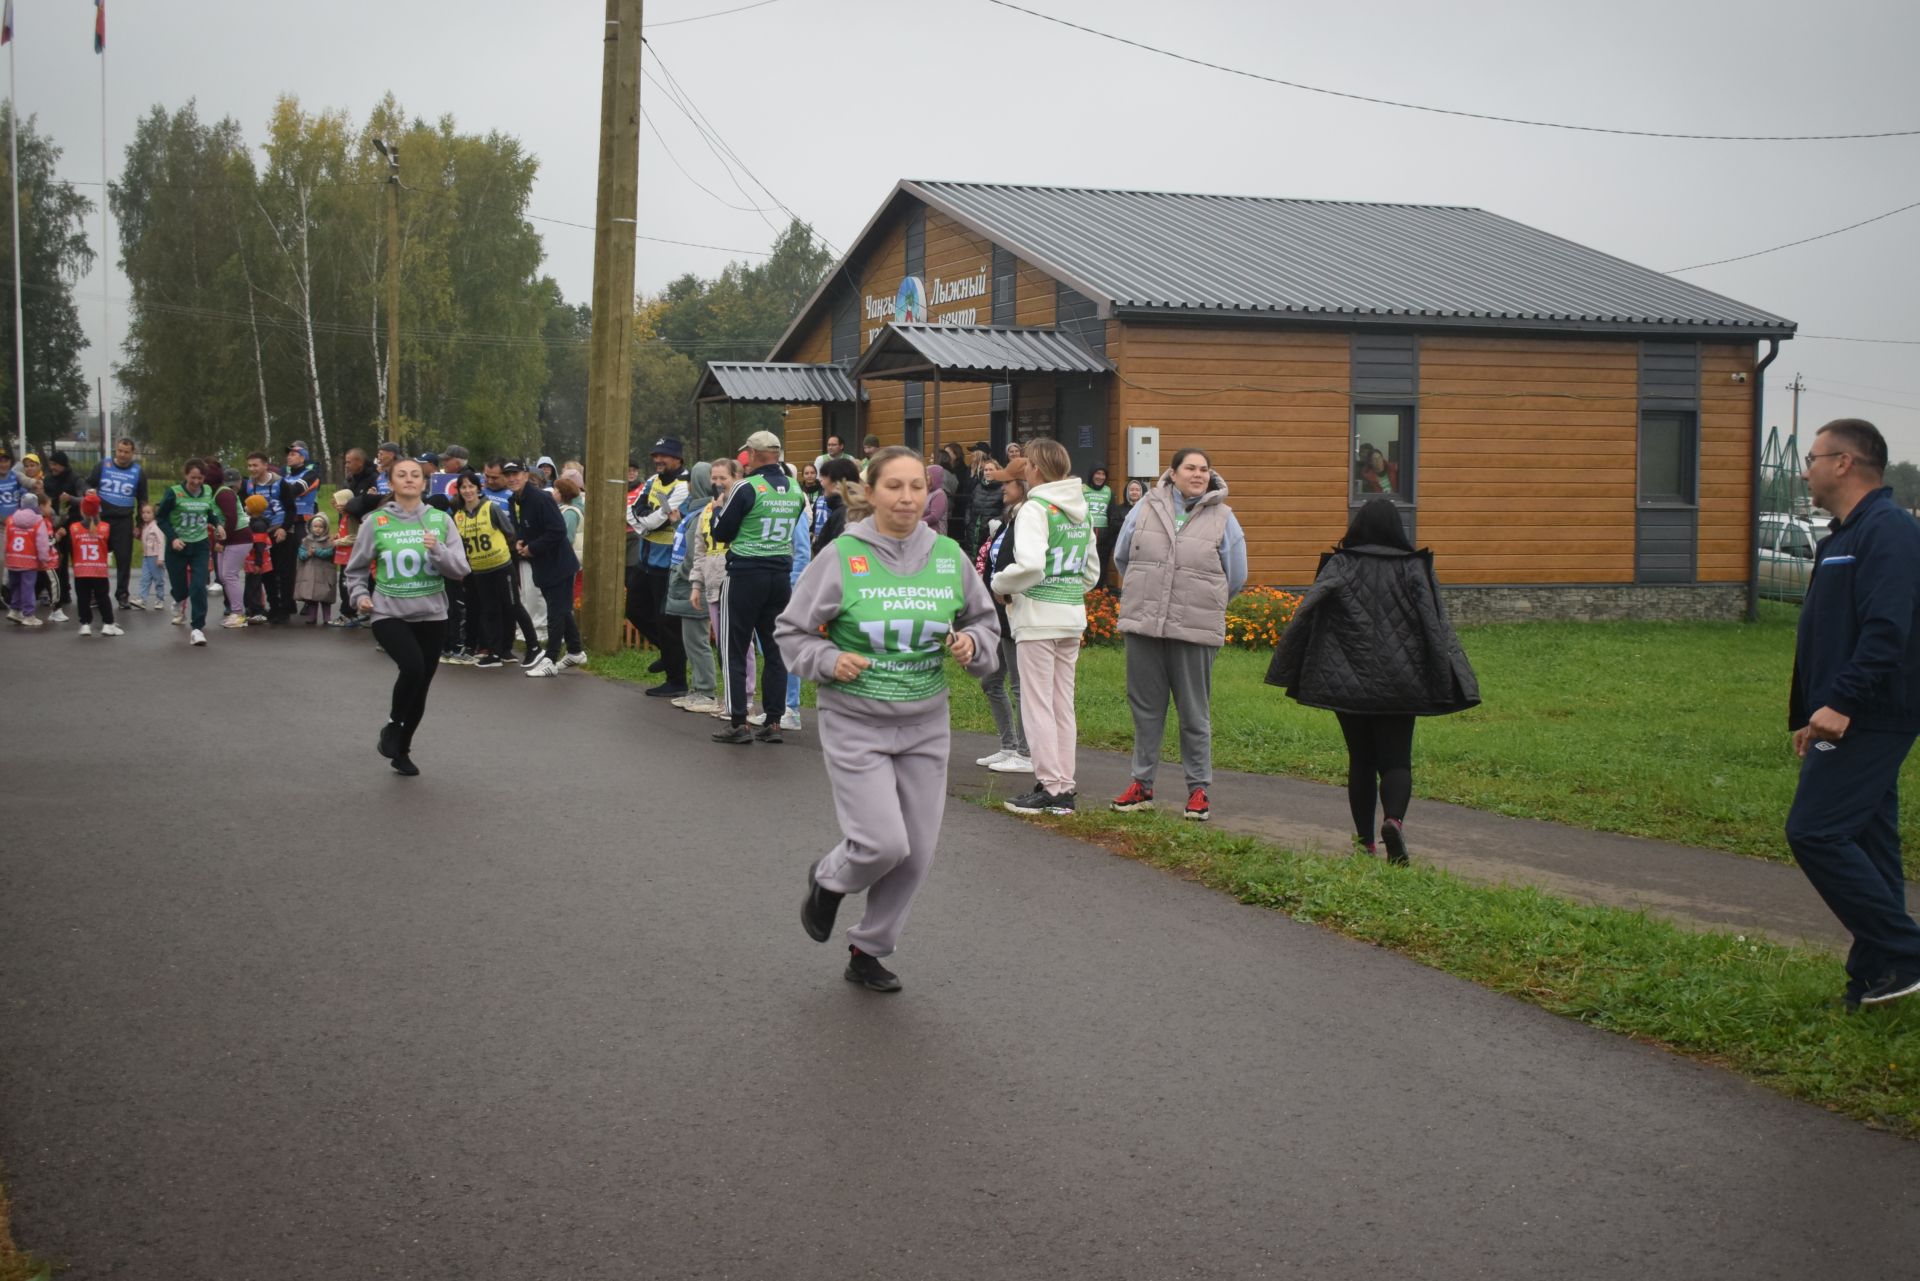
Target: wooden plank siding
pixel 1270 409
pixel 1551 419
pixel 1526 469
pixel 1727 461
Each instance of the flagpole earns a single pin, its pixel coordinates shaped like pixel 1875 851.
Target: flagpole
pixel 106 262
pixel 19 332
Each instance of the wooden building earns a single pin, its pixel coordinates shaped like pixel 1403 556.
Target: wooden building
pixel 1574 435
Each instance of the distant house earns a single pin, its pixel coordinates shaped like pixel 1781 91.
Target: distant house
pixel 1574 435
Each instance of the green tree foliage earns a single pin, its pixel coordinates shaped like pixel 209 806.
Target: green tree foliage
pixel 54 254
pixel 1905 479
pixel 259 291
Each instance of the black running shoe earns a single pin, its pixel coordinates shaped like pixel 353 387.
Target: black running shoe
pixel 387 747
pixel 818 908
pixel 768 733
pixel 403 764
pixel 1034 802
pixel 667 689
pixel 869 973
pixel 734 734
pixel 1061 802
pixel 1892 987
pixel 1396 842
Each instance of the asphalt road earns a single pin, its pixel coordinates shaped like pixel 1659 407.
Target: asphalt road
pixel 268 1010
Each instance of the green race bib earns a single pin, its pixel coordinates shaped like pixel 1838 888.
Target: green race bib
pixel 402 566
pixel 1066 559
pixel 768 529
pixel 898 622
pixel 192 515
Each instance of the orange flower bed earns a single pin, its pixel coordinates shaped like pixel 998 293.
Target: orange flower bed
pixel 1103 618
pixel 1257 616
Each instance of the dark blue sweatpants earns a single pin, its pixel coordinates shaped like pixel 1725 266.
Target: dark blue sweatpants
pixel 1844 828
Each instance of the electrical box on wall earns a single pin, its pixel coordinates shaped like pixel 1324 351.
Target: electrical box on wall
pixel 1143 452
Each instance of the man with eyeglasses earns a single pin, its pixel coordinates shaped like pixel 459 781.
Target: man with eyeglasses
pixel 1855 708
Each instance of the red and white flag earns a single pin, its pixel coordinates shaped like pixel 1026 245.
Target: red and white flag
pixel 99 25
pixel 6 25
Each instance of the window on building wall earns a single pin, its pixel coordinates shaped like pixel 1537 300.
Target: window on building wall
pixel 1382 452
pixel 915 433
pixel 1668 465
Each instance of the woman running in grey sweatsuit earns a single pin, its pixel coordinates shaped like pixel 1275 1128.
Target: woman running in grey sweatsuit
pixel 868 621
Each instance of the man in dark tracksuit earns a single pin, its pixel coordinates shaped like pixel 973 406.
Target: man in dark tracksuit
pixel 1855 708
pixel 122 486
pixel 757 525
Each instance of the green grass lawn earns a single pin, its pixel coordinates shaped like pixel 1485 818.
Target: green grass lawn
pixel 1767 1011
pixel 1669 730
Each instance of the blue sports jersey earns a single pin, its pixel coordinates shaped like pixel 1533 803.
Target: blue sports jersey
pixel 9 494
pixel 119 485
pixel 276 510
pixel 309 501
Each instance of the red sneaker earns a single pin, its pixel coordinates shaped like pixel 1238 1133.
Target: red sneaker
pixel 1197 805
pixel 1136 797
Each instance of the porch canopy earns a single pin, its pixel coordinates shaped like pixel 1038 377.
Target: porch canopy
pixel 763 382
pixel 766 382
pixel 974 354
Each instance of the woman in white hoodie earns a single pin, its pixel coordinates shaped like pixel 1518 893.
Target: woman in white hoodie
pixel 1054 565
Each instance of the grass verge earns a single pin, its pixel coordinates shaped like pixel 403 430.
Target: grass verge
pixel 1762 1009
pixel 15 1263
pixel 1676 731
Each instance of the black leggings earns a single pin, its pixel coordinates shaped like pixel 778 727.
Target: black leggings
pixel 415 650
pixel 1378 747
pixel 92 594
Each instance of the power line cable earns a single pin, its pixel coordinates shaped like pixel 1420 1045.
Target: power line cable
pixel 1449 111
pixel 1892 342
pixel 662 240
pixel 1861 400
pixel 702 17
pixel 1804 240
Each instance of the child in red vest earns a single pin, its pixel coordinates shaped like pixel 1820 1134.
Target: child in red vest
pixel 29 549
pixel 259 563
pixel 345 531
pixel 87 548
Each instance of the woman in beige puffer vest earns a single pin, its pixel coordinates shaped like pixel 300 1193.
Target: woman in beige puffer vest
pixel 1182 556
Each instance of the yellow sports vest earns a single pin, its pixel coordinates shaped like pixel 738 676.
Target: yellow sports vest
pixel 706 530
pixel 485 541
pixel 656 495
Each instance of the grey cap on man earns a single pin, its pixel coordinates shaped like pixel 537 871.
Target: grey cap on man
pixel 764 442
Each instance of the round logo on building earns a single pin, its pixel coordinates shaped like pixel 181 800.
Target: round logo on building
pixel 910 304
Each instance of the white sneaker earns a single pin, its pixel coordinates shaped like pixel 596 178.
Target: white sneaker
pixel 789 719
pixel 575 660
pixel 14 616
pixel 701 703
pixel 112 629
pixel 1013 763
pixel 994 758
pixel 198 638
pixel 544 667
pixel 235 622
pixel 85 630
pixel 179 617
pixel 757 718
pixel 57 616
pixel 720 711
pixel 31 621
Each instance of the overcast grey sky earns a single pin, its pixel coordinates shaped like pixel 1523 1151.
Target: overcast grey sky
pixel 830 101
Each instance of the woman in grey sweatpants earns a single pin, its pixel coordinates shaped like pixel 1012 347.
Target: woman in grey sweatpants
pixel 868 621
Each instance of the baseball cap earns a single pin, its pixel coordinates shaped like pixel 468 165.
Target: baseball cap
pixel 30 458
pixel 512 467
pixel 430 457
pixel 762 440
pixel 386 447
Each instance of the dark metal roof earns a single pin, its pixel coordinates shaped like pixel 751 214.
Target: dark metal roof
pixel 974 353
pixel 1155 252
pixel 768 383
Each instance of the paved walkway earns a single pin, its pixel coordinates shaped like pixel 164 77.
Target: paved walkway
pixel 268 1010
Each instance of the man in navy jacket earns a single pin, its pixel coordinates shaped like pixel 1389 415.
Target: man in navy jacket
pixel 1855 708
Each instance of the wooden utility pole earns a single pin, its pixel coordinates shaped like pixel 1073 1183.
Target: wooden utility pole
pixel 610 350
pixel 392 152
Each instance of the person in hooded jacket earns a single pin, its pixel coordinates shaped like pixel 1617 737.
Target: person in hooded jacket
pixel 694 633
pixel 937 500
pixel 1371 643
pixel 869 621
pixel 1055 564
pixel 1182 556
pixel 831 515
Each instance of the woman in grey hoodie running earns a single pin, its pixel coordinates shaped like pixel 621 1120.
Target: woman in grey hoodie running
pixel 401 560
pixel 868 621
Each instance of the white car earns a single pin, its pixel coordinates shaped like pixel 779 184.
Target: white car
pixel 1786 554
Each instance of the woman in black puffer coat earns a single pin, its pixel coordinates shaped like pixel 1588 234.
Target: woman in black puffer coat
pixel 1371 643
